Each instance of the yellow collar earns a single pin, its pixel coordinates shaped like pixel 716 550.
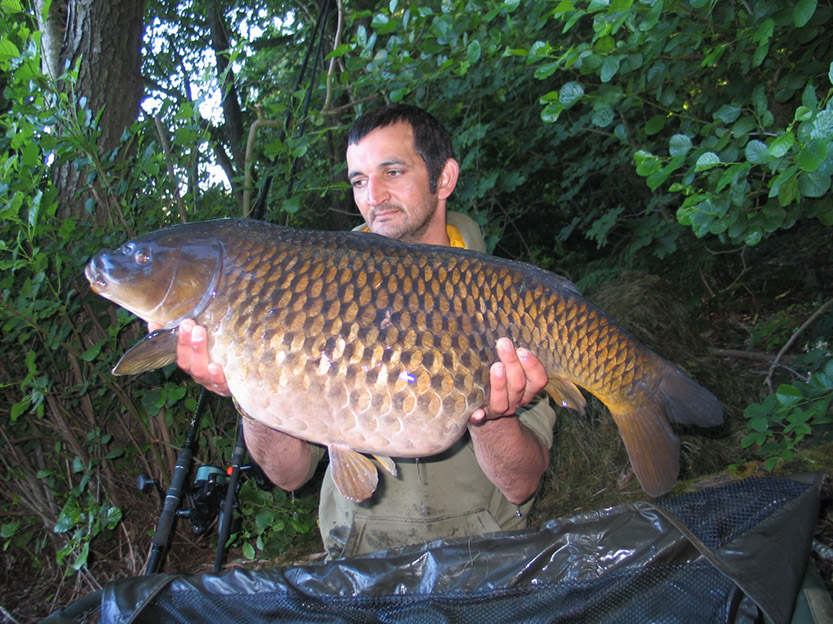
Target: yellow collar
pixel 454 236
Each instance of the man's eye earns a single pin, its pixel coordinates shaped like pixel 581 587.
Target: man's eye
pixel 357 183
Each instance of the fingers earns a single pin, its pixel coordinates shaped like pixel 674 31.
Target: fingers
pixel 514 381
pixel 192 357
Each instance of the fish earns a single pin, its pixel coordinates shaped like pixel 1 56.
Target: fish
pixel 371 346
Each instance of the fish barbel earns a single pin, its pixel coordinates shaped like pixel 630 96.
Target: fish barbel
pixel 367 345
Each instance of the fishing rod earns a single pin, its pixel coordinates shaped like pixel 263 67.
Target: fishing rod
pixel 173 500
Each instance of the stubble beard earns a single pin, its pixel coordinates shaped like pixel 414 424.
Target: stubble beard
pixel 411 229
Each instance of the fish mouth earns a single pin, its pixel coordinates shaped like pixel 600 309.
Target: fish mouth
pixel 95 275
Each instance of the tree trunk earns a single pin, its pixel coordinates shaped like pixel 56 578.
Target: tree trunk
pixel 106 35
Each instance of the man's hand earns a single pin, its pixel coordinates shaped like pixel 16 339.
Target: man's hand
pixel 192 357
pixel 514 381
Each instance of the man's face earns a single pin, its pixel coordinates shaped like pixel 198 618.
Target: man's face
pixel 390 184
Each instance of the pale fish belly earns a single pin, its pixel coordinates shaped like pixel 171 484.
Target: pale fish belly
pixel 362 408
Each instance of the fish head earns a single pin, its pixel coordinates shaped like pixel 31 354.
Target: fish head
pixel 164 276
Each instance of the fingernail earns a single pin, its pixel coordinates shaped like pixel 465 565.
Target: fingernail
pixel 198 334
pixel 523 353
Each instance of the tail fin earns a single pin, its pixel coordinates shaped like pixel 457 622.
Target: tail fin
pixel 688 403
pixel 653 448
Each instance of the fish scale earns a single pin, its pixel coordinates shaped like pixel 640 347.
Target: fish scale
pixel 371 346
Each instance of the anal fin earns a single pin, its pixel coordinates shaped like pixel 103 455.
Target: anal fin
pixel 354 474
pixel 566 394
pixel 387 463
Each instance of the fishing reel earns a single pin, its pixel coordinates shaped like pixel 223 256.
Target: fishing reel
pixel 205 496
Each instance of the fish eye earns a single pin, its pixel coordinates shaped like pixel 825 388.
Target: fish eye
pixel 142 256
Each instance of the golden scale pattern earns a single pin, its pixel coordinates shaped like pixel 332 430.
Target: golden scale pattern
pixel 384 330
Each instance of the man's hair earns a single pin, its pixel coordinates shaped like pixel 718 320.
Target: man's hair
pixel 431 140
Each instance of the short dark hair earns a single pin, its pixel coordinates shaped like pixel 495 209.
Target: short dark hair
pixel 431 140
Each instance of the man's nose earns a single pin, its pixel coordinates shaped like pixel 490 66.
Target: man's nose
pixel 377 191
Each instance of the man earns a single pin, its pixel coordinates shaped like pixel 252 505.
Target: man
pixel 401 167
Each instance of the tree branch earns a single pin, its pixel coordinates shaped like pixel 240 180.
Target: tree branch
pixel 792 340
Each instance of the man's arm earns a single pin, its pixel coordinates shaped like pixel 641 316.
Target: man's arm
pixel 285 460
pixel 511 455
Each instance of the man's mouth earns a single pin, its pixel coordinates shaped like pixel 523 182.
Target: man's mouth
pixel 384 212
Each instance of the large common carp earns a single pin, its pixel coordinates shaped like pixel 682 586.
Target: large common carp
pixel 368 345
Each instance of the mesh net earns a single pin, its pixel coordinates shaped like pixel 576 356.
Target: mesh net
pixel 627 564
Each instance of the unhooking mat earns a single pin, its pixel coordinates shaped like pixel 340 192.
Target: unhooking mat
pixel 735 553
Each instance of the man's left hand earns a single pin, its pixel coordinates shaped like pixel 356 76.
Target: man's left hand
pixel 515 380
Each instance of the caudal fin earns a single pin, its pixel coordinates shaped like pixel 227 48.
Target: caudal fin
pixel 688 403
pixel 653 448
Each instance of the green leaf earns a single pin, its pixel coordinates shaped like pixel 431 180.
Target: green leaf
pixel 570 93
pixel 9 529
pixel 803 113
pixel 781 145
pixel 609 68
pixel 730 174
pixel 728 113
pixel 707 160
pixel 248 551
pixel 551 112
pixel 830 72
pixel 655 124
pixel 473 52
pixel 8 50
pixel 753 438
pixel 603 116
pixel 788 395
pixel 814 183
pixel 646 163
pixel 341 50
pixel 90 354
pixel 546 70
pixel 757 152
pixel 803 11
pixel 812 154
pixel 679 144
pixel 823 125
pixel 14 6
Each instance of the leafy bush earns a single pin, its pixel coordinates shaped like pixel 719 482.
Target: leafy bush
pixel 273 520
pixel 796 414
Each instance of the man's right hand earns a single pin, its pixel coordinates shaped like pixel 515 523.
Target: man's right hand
pixel 192 357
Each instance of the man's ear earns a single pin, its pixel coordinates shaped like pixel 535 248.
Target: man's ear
pixel 448 178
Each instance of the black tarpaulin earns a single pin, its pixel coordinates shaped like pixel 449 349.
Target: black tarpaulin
pixel 728 554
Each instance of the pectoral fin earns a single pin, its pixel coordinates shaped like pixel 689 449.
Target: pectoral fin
pixel 155 350
pixel 566 394
pixel 354 474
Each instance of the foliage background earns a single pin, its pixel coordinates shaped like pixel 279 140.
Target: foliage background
pixel 690 140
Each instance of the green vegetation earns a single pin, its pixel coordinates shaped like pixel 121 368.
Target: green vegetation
pixel 690 140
